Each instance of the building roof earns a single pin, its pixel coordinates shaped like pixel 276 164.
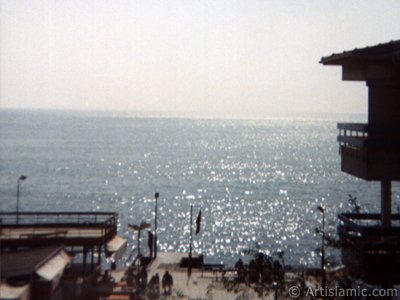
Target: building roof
pixel 14 292
pixel 24 263
pixel 382 52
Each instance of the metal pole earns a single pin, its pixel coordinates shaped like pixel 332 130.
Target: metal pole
pixel 191 230
pixel 386 203
pixel 22 177
pixel 17 221
pixel 138 243
pixel 323 250
pixel 99 255
pixel 190 242
pixel 320 208
pixel 155 226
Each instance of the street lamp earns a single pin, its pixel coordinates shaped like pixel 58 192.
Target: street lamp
pixel 22 177
pixel 323 246
pixel 156 195
pixel 139 228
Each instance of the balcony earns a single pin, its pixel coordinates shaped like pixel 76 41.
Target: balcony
pixel 370 152
pixel 57 228
pixel 371 252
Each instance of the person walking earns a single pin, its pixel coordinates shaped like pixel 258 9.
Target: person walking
pixel 167 283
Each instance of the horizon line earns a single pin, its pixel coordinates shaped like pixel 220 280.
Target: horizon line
pixel 185 115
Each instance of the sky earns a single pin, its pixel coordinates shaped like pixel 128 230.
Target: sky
pixel 220 57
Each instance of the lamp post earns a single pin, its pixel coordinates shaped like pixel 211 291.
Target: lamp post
pixel 156 195
pixel 323 246
pixel 139 228
pixel 22 177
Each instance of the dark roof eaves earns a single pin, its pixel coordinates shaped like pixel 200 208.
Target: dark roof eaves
pixel 361 53
pixel 33 259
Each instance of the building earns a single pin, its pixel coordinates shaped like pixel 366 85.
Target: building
pixel 36 247
pixel 371 151
pixel 33 273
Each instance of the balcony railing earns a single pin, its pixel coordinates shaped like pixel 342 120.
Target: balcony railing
pixel 367 226
pixel 352 134
pixel 370 251
pixel 62 227
pixel 65 218
pixel 362 135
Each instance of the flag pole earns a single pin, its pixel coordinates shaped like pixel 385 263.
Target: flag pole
pixel 190 242
pixel 156 195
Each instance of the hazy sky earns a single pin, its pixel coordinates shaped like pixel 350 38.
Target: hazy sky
pixel 223 57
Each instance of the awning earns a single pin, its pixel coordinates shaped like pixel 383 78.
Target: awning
pixel 14 292
pixel 117 246
pixel 54 266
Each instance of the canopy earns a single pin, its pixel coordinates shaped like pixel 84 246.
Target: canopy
pixel 54 266
pixel 117 246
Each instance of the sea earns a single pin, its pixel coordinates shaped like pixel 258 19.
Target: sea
pixel 258 182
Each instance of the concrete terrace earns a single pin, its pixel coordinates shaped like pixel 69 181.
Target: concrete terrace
pixel 205 283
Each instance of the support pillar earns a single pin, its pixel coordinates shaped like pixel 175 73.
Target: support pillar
pixel 99 256
pixel 92 259
pixel 386 203
pixel 84 260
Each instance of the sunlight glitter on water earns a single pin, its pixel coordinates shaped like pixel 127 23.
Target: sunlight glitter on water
pixel 255 181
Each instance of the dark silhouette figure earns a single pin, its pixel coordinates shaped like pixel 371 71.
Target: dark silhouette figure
pixel 241 272
pixel 260 269
pixel 150 241
pixel 143 279
pixel 167 282
pixel 239 264
pixel 154 286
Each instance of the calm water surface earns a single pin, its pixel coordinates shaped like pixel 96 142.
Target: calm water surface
pixel 255 180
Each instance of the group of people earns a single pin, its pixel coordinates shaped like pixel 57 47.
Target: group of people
pixel 154 284
pixel 261 269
